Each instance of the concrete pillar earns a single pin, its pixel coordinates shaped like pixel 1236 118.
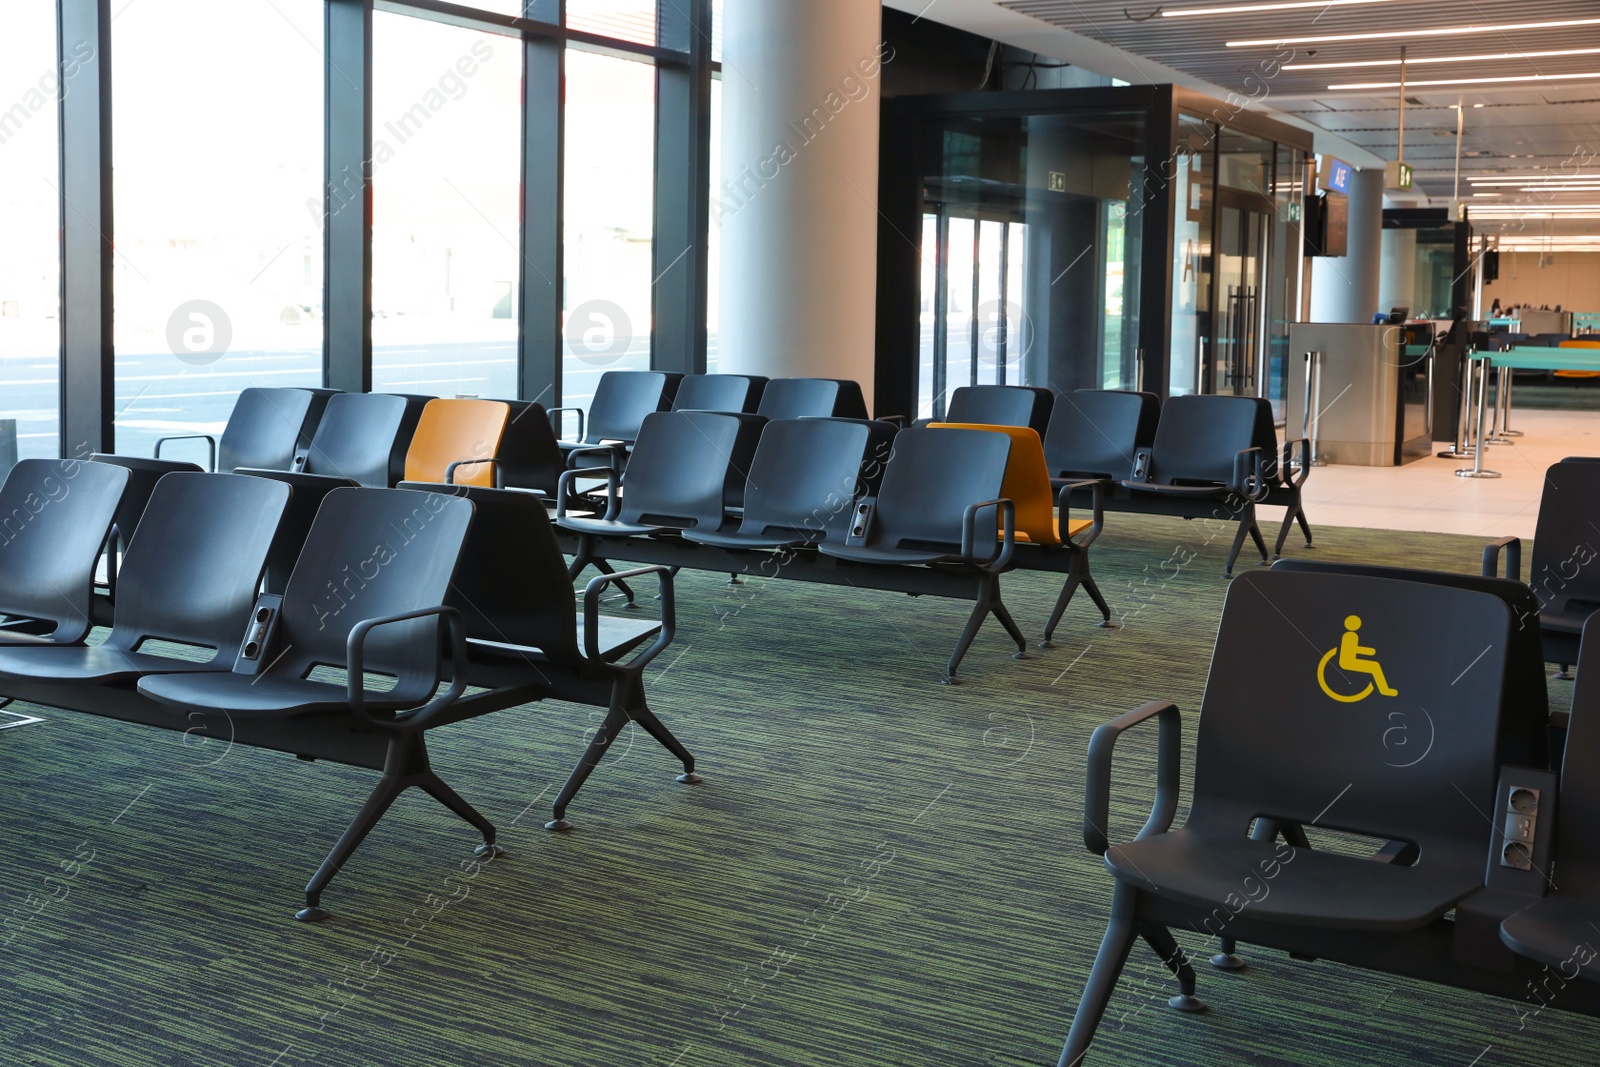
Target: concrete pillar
pixel 1397 279
pixel 1345 288
pixel 798 206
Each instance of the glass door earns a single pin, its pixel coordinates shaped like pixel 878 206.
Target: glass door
pixel 1238 347
pixel 971 304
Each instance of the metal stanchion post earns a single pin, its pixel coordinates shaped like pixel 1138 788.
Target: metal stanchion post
pixel 1496 420
pixel 1476 470
pixel 1311 424
pixel 1505 417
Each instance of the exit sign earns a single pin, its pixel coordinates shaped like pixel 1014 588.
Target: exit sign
pixel 1397 175
pixel 1058 181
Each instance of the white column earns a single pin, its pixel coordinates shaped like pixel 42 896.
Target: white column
pixel 1345 288
pixel 798 205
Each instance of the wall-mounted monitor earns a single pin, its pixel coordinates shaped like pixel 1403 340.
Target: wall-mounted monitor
pixel 1327 225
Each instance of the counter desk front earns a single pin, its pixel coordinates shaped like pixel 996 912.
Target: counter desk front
pixel 1367 392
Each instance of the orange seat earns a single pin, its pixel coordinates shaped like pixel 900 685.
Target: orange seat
pixel 453 431
pixel 1578 373
pixel 1027 485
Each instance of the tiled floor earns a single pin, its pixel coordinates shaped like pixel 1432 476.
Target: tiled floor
pixel 1427 495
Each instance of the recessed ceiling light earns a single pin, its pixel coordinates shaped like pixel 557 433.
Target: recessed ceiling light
pixel 1469 81
pixel 1497 57
pixel 1477 105
pixel 1412 34
pixel 1250 9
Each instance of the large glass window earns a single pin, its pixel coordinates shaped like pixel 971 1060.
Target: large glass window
pixel 628 20
pixel 446 159
pixel 218 271
pixel 608 223
pixel 30 273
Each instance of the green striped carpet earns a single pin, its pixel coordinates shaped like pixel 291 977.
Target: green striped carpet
pixel 878 869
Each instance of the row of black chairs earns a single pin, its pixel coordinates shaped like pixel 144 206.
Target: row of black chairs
pixel 1404 707
pixel 393 592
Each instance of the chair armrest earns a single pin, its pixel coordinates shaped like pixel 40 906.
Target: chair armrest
pixel 1097 788
pixel 211 446
pixel 564 488
pixel 494 469
pixel 355 660
pixel 1289 447
pixel 1249 474
pixel 1001 557
pixel 554 415
pixel 1096 508
pixel 1491 558
pixel 591 614
pixel 898 421
pixel 607 452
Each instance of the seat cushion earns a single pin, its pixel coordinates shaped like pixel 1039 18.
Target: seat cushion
pixel 734 539
pixel 243 694
pixel 1559 932
pixel 1274 883
pixel 901 556
pixel 606 527
pixel 97 664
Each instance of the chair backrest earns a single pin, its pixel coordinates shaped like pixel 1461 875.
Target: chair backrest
pixel 718 392
pixel 1001 405
pixel 1580 344
pixel 1199 437
pixel 1094 433
pixel 1525 702
pixel 54 517
pixel 1286 733
pixel 742 456
pixel 373 553
pixel 511 586
pixel 817 398
pixel 1027 482
pixel 454 430
pixel 931 479
pixel 143 474
pixel 1578 815
pixel 194 567
pixel 268 428
pixel 530 458
pixel 362 436
pixel 1563 570
pixel 621 401
pixel 803 477
pixel 678 473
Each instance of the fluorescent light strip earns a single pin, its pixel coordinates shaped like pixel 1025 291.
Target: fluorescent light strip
pixel 1423 60
pixel 1547 176
pixel 1560 188
pixel 1250 9
pixel 1469 81
pixel 1393 35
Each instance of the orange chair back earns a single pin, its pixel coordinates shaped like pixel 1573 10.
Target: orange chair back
pixel 454 430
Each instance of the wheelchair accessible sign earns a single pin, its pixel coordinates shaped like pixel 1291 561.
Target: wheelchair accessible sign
pixel 1353 658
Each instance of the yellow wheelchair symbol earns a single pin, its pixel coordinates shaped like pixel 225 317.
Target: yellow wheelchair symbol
pixel 1350 653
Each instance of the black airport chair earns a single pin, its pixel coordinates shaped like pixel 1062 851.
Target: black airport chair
pixel 719 392
pixel 621 401
pixel 524 629
pixel 363 437
pixel 813 398
pixel 1002 405
pixel 1555 930
pixel 142 476
pixel 1293 728
pixel 189 578
pixel 940 506
pixel 367 597
pixel 1204 464
pixel 676 480
pixel 530 456
pixel 1095 433
pixel 55 516
pixel 267 428
pixel 802 484
pixel 1563 571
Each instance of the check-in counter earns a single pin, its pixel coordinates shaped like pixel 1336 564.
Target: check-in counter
pixel 1369 393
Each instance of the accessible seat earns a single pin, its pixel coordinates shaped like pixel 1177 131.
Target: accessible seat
pixel 813 398
pixel 621 401
pixel 1311 676
pixel 55 516
pixel 1561 571
pixel 189 578
pixel 1559 930
pixel 366 598
pixel 940 506
pixel 719 392
pixel 527 638
pixel 1027 485
pixel 1205 463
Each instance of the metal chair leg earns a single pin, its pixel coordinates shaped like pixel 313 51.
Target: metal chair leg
pixel 616 718
pixel 1108 964
pixel 1161 940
